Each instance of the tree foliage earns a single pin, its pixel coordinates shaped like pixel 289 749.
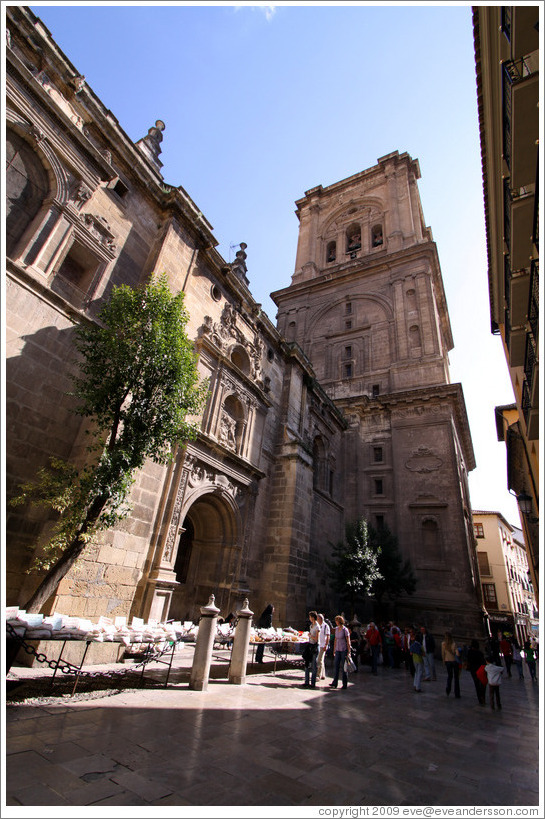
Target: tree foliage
pixel 138 386
pixel 354 567
pixel 396 575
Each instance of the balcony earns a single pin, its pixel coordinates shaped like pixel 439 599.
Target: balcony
pixel 533 305
pixel 530 412
pixel 530 390
pixel 520 92
pixel 521 226
pixel 517 295
pixel 515 339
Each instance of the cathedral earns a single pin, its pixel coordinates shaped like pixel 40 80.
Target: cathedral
pixel 343 409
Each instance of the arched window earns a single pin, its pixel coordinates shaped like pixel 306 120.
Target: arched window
pixel 241 359
pixel 430 537
pixel 290 335
pixel 353 237
pixel 414 337
pixel 27 186
pixel 376 236
pixel 331 252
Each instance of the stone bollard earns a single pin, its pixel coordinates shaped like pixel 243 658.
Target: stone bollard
pixel 241 641
pixel 202 658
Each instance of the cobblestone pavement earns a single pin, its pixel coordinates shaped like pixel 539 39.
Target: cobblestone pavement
pixel 271 742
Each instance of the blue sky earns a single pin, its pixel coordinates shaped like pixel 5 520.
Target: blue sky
pixel 262 103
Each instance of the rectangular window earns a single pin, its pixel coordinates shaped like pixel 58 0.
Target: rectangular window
pixel 376 390
pixel 478 529
pixel 377 452
pixel 348 370
pixel 484 566
pixel 379 522
pixel 348 352
pixel 489 594
pixel 348 308
pixel 378 486
pixel 348 325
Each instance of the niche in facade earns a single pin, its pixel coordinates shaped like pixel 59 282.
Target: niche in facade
pixel 232 423
pixel 353 237
pixel 376 236
pixel 331 252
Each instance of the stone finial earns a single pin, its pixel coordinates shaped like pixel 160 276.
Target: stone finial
pixel 239 267
pixel 245 610
pixel 150 145
pixel 210 609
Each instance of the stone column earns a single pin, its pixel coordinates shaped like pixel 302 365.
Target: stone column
pixel 239 652
pixel 200 669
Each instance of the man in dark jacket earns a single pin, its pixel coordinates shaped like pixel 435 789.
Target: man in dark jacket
pixel 428 645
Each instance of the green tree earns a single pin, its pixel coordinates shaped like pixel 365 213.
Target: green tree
pixel 137 385
pixel 396 575
pixel 354 567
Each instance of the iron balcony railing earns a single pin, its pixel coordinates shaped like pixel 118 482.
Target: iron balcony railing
pixel 533 305
pixel 530 359
pixel 526 403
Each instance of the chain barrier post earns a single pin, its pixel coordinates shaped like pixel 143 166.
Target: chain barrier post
pixel 241 642
pixel 200 670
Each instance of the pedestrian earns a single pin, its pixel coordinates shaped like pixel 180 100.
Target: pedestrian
pixel 530 657
pixel 506 648
pixel 494 673
pixel 323 645
pixel 341 648
pixel 405 651
pixel 396 632
pixel 475 661
pixel 517 659
pixel 355 642
pixel 450 654
pixel 388 646
pixel 310 653
pixel 428 647
pixel 416 652
pixel 372 635
pixel 265 621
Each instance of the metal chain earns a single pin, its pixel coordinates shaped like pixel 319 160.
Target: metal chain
pixel 69 668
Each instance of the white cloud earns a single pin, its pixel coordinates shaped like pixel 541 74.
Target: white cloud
pixel 267 10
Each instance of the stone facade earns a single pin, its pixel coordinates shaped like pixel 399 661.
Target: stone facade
pixel 292 443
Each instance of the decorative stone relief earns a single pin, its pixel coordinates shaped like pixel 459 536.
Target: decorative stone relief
pixel 61 101
pixel 37 134
pixel 223 333
pixel 100 229
pixel 81 194
pixel 423 460
pixel 227 434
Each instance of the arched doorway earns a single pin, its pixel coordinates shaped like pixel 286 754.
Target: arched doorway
pixel 208 557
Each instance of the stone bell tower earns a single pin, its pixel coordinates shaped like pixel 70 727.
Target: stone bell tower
pixel 367 306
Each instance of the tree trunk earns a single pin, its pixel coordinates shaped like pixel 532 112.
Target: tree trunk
pixel 56 573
